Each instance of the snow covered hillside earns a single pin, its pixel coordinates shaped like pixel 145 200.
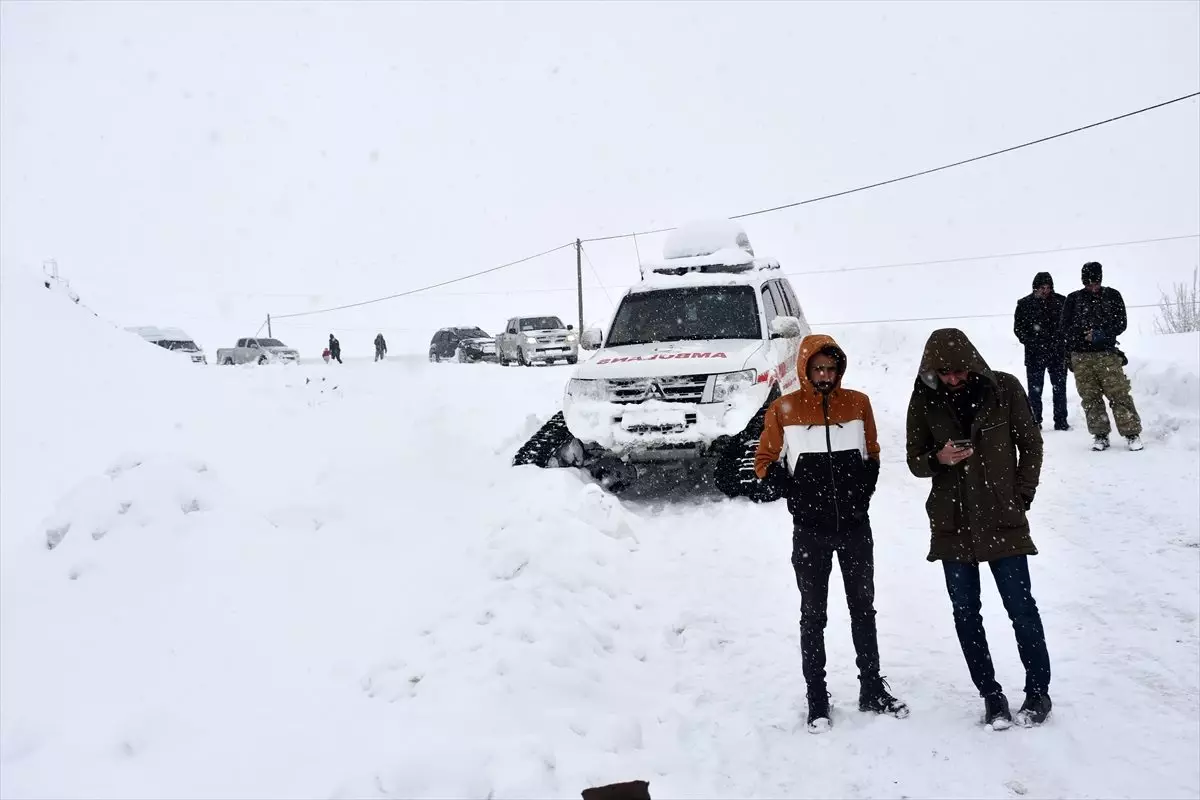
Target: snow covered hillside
pixel 327 581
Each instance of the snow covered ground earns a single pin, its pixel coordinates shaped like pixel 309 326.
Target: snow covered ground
pixel 326 581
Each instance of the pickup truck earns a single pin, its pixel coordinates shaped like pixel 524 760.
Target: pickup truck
pixel 258 351
pixel 529 339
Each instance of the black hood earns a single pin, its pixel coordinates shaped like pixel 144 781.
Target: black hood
pixel 1043 279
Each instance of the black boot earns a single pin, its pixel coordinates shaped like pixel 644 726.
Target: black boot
pixel 818 710
pixel 873 695
pixel 996 713
pixel 1034 710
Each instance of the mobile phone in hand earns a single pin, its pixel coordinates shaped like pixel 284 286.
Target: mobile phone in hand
pixel 962 444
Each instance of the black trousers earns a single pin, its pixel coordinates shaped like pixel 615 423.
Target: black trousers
pixel 1035 374
pixel 812 559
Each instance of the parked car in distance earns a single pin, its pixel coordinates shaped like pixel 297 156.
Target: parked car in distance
pixel 529 339
pixel 466 343
pixel 173 339
pixel 254 350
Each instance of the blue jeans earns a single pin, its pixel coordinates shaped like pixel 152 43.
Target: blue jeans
pixel 1036 379
pixel 1012 581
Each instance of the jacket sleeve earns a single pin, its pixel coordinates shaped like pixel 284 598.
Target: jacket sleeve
pixel 1021 323
pixel 1060 333
pixel 1066 324
pixel 1120 320
pixel 919 439
pixel 872 433
pixel 1027 435
pixel 770 442
pixel 871 467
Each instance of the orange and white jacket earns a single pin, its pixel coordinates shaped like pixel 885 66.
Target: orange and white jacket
pixel 829 446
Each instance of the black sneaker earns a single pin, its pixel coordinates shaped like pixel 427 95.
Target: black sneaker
pixel 818 711
pixel 874 696
pixel 996 713
pixel 1061 426
pixel 1034 710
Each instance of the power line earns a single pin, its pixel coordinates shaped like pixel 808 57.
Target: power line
pixel 427 288
pixel 588 259
pixel 836 270
pixel 996 255
pixel 940 319
pixel 930 171
pixel 842 193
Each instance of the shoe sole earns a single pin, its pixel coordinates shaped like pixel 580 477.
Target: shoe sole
pixel 1027 721
pixel 821 725
pixel 899 713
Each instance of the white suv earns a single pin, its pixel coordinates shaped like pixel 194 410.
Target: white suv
pixel 695 353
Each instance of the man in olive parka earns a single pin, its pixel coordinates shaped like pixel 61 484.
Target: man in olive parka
pixel 970 430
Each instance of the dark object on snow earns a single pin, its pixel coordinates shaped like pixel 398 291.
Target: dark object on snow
pixel 630 790
pixel 335 349
pixel 380 347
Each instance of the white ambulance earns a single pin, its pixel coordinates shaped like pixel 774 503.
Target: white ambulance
pixel 693 356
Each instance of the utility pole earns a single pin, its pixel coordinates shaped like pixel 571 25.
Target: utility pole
pixel 269 334
pixel 579 279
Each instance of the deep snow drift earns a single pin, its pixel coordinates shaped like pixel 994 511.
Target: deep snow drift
pixel 325 581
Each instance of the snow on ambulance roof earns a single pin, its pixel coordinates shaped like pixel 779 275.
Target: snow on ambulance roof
pixel 706 237
pixel 707 253
pixel 750 277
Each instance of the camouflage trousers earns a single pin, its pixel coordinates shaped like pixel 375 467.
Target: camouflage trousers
pixel 1100 375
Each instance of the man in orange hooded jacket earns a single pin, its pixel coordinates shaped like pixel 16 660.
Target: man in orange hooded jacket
pixel 827 438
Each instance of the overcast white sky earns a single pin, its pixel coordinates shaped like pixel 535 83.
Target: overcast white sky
pixel 205 163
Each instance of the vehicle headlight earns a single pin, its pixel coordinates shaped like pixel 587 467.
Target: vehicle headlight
pixel 728 383
pixel 585 389
pixel 530 340
pixel 570 337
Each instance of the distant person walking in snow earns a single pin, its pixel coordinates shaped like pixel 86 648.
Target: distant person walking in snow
pixel 971 430
pixel 380 347
pixel 335 349
pixel 1092 319
pixel 1037 325
pixel 830 473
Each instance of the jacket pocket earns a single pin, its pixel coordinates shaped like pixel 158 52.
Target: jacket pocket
pixel 940 507
pixel 1012 512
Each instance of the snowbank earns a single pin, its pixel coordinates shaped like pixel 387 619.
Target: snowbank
pixel 327 581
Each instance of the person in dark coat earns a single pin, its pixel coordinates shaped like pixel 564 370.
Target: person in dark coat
pixel 970 430
pixel 1037 324
pixel 380 347
pixel 335 349
pixel 1092 319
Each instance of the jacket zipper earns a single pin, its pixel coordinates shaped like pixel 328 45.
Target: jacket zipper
pixel 837 522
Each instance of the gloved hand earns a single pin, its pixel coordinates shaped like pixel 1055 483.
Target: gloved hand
pixel 777 475
pixel 1100 337
pixel 1026 502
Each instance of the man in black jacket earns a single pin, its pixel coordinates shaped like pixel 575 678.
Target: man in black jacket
pixel 1092 319
pixel 1036 324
